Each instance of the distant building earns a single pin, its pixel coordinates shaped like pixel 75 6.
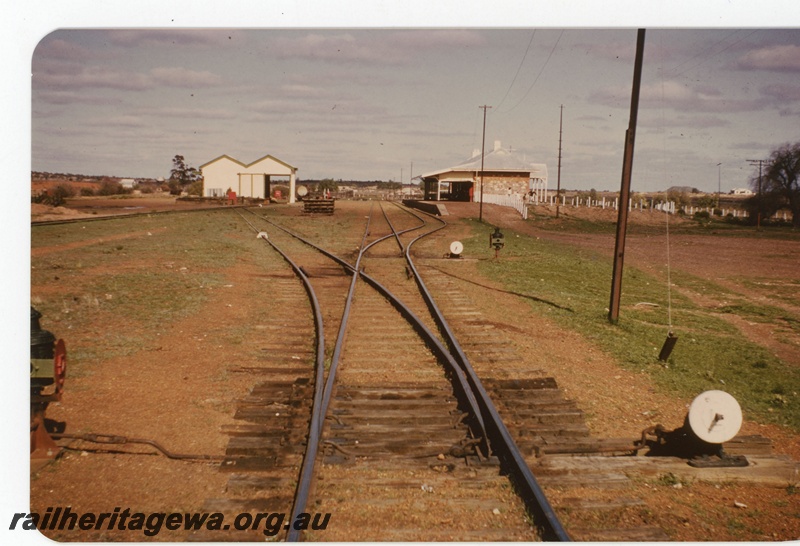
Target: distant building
pixel 128 183
pixel 741 191
pixel 504 173
pixel 247 180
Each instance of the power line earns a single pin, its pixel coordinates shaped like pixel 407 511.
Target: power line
pixel 540 71
pixel 518 69
pixel 711 55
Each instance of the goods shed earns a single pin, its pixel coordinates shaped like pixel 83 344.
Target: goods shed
pixel 247 180
pixel 504 173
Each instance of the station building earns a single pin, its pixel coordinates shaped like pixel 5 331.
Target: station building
pixel 504 173
pixel 247 180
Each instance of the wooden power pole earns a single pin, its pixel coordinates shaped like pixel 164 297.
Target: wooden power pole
pixel 483 146
pixel 625 186
pixel 560 130
pixel 760 163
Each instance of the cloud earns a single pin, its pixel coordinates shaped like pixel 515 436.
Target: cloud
pixel 697 122
pixel 676 96
pixel 394 48
pixel 99 77
pixel 119 121
pixel 73 97
pixel 624 52
pixel 183 77
pixel 782 92
pixel 92 77
pixel 779 58
pixel 187 113
pixel 180 37
pixel 62 50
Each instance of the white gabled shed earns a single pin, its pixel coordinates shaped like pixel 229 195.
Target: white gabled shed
pixel 247 180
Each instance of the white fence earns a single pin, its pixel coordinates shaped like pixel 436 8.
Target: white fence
pixel 514 201
pixel 648 204
pixel 520 204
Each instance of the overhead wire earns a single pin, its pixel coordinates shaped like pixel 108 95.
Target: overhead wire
pixel 518 69
pixel 709 57
pixel 552 50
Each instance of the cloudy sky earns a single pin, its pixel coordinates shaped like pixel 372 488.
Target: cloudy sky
pixel 365 103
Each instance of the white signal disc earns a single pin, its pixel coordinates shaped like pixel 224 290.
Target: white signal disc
pixel 302 191
pixel 456 248
pixel 715 416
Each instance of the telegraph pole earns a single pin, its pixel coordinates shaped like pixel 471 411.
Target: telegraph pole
pixel 483 147
pixel 758 162
pixel 625 186
pixel 719 183
pixel 560 127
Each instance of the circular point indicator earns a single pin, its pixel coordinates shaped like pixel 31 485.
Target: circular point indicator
pixel 456 248
pixel 715 416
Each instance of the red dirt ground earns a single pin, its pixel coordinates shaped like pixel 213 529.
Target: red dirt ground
pixel 153 406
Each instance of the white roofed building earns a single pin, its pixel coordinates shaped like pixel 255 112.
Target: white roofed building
pixel 247 180
pixel 504 173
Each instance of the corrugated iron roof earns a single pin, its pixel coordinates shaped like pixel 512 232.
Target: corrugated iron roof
pixel 499 159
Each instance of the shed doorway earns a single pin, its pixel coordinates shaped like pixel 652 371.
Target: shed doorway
pixel 461 191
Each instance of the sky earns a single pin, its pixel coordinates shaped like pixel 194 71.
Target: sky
pixel 383 103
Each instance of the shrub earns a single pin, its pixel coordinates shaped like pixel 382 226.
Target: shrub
pixel 195 188
pixel 109 187
pixel 87 192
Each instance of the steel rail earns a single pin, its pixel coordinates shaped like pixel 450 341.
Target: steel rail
pixel 481 404
pixel 394 231
pixel 477 425
pixel 35 223
pixel 503 443
pixel 316 423
pixel 319 410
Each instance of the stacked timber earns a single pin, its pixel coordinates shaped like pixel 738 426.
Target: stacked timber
pixel 318 206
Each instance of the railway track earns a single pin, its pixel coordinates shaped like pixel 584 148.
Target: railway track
pixel 401 413
pixel 411 421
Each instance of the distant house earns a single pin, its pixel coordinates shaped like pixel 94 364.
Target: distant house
pixel 504 173
pixel 128 183
pixel 741 191
pixel 247 180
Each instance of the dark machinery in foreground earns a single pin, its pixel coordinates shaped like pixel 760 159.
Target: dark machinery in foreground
pixel 48 371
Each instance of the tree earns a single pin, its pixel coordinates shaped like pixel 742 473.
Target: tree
pixel 327 185
pixel 781 179
pixel 182 175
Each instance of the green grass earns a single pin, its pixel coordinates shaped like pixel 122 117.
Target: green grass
pixel 710 354
pixel 145 274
